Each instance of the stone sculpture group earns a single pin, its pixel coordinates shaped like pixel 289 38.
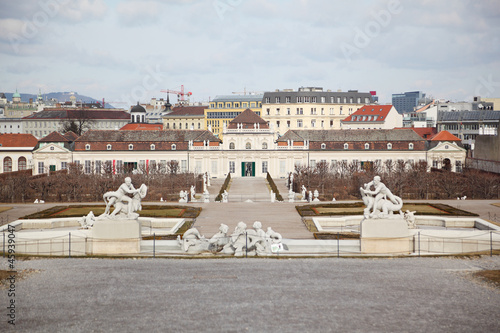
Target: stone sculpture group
pixel 380 202
pixel 242 241
pixel 124 205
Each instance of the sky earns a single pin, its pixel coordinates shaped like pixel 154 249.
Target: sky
pixel 128 51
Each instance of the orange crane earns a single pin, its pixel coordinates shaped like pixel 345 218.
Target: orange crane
pixel 180 94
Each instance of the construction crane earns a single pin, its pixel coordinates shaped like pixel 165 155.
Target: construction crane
pixel 180 95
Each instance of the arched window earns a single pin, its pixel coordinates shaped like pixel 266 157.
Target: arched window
pixel 389 146
pixel 264 145
pixel 21 163
pixel 152 147
pixel 87 147
pixel 410 146
pixel 367 145
pixel 7 164
pixel 231 145
pixel 108 147
pixel 130 147
pixel 346 146
pixel 323 146
pixel 173 147
pixel 248 145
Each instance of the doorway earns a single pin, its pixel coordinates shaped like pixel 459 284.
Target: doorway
pixel 247 169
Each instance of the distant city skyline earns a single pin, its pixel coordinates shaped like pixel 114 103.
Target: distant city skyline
pixel 128 51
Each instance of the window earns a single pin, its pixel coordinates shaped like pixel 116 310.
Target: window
pixel 323 146
pixel 184 166
pixel 173 125
pixel 268 111
pixel 268 100
pixel 168 125
pixel 264 145
pixel 108 147
pixel 458 166
pixel 130 147
pixel 248 145
pixel 41 167
pixel 313 123
pixel 278 100
pixel 21 163
pixel 88 166
pixel 410 146
pixel 186 127
pixel 346 146
pixel 288 123
pixel 152 147
pixel 98 167
pixel 288 111
pixel 231 145
pixel 87 147
pixel 64 165
pixel 389 146
pixel 7 164
pixel 312 163
pixel 287 99
pixel 173 147
pixel 299 123
pixel 232 168
pixel 282 166
pixel 264 166
pixel 278 124
pixel 367 146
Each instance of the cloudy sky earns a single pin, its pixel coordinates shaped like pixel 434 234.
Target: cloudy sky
pixel 129 50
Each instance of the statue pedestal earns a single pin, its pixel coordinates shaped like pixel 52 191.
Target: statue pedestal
pixel 116 236
pixel 386 236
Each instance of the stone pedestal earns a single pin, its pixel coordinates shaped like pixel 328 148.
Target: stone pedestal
pixel 386 236
pixel 116 236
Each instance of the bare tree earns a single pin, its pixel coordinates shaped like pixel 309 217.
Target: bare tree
pixel 78 121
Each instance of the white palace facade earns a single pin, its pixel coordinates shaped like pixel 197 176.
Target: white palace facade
pixel 250 148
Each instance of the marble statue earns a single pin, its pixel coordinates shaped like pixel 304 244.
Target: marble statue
pixel 193 193
pixel 409 217
pixel 310 196
pixel 291 180
pixel 291 195
pixel 316 195
pixel 183 196
pixel 208 180
pixel 242 241
pixel 121 200
pixel 88 221
pixel 273 196
pixel 206 196
pixel 204 182
pixel 193 238
pixel 304 191
pixel 380 202
pixel 224 196
pixel 237 241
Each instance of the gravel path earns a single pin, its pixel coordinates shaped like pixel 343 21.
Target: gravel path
pixel 255 295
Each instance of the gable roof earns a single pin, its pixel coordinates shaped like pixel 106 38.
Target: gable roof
pixel 378 113
pixel 54 137
pixel 17 140
pixel 71 136
pixel 425 132
pixel 142 127
pixel 445 136
pixel 248 118
pixel 351 135
pixel 147 136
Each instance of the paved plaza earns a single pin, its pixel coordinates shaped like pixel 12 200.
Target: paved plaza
pixel 255 295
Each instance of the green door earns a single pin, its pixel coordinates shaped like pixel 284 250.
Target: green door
pixel 247 169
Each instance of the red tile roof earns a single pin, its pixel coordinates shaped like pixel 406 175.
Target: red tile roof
pixel 445 136
pixel 54 137
pixel 142 127
pixel 425 132
pixel 71 136
pixel 248 118
pixel 17 140
pixel 378 113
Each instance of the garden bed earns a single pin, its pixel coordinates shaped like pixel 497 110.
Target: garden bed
pixel 356 208
pixel 147 211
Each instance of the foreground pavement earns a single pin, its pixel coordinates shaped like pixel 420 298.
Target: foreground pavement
pixel 254 295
